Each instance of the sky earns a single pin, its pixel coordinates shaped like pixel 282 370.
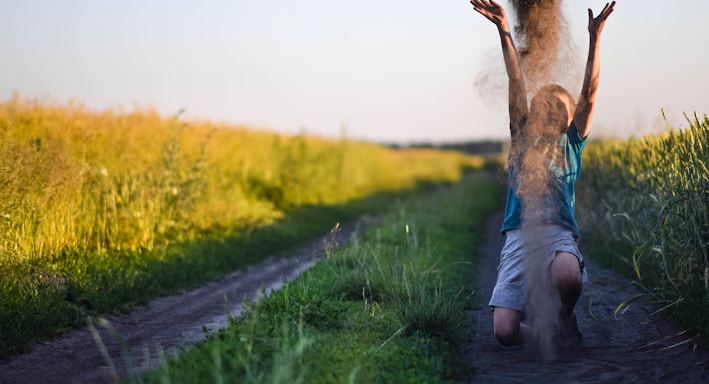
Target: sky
pixel 389 71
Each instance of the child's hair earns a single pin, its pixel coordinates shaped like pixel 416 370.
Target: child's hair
pixel 546 106
pixel 550 90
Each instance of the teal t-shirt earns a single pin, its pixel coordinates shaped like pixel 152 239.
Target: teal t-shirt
pixel 559 204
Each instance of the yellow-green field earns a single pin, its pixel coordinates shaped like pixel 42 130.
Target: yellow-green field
pixel 99 208
pixel 104 180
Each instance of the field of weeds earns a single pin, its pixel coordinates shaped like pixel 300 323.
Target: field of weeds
pixel 104 210
pixel 101 211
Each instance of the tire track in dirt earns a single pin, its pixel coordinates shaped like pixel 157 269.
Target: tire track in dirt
pixel 630 347
pixel 165 326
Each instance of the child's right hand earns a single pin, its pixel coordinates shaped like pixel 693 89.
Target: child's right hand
pixel 491 10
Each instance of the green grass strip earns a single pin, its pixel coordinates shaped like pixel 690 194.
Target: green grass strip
pixel 388 307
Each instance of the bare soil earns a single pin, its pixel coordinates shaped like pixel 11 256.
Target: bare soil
pixel 629 347
pixel 633 346
pixel 139 340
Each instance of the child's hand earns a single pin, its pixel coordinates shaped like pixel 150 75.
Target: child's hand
pixel 491 10
pixel 595 25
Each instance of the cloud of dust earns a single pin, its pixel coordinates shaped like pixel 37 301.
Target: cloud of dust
pixel 544 43
pixel 545 46
pixel 546 53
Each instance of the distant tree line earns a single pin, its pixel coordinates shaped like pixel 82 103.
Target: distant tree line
pixel 483 147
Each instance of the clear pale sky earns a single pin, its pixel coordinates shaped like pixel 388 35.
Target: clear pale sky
pixel 380 70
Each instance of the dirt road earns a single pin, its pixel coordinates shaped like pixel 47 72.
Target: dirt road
pixel 631 347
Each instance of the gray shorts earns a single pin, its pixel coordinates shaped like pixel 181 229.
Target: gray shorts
pixel 528 249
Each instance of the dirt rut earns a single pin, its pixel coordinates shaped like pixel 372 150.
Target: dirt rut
pixel 167 325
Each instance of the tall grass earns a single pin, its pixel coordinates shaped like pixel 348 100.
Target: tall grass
pixel 129 181
pixel 101 209
pixel 647 200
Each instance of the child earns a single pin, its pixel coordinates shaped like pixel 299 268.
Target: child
pixel 547 140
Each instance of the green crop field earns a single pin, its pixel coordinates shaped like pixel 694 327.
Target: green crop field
pixel 644 208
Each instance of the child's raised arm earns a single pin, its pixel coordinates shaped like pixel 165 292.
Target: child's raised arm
pixel 587 99
pixel 517 91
